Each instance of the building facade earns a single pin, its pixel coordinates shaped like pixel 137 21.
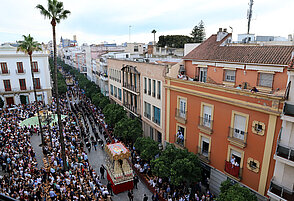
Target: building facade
pixel 16 85
pixel 138 87
pixel 225 105
pixel 282 183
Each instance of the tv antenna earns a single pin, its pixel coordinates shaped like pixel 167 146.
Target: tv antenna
pixel 249 15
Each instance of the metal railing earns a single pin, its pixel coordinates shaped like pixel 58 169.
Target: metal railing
pixel 131 107
pixel 237 135
pixel 281 191
pixel 285 152
pixel 233 170
pixel 158 96
pixel 36 70
pixel 5 72
pixel 157 121
pixel 17 71
pixel 205 123
pixel 148 116
pixel 181 114
pixel 131 87
pixel 203 154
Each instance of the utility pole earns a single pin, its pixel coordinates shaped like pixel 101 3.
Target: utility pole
pixel 130 33
pixel 249 15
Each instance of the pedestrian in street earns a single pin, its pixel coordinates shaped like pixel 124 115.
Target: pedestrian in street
pixel 145 197
pixel 130 195
pixel 102 170
pixel 109 188
pixel 136 181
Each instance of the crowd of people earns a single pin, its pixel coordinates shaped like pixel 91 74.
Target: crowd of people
pixel 24 180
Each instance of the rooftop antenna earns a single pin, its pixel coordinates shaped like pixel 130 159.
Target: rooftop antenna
pixel 249 15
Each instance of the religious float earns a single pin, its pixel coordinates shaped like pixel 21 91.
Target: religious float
pixel 119 171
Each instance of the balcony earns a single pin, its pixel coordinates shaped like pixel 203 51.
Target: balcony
pixel 5 72
pixel 131 87
pixel 233 170
pixel 19 71
pixel 153 94
pixel 237 137
pixel 280 192
pixel 288 109
pixel 205 125
pixel 16 90
pixel 131 108
pixel 36 70
pixel 158 96
pixel 181 116
pixel 285 152
pixel 180 141
pixel 203 155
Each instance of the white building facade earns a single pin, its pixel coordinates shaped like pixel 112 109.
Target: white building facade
pixel 282 184
pixel 16 85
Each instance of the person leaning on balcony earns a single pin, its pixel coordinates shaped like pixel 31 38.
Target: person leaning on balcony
pixel 239 86
pixel 233 160
pixel 254 89
pixel 180 136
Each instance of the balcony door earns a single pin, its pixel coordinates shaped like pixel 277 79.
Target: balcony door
pixel 239 127
pixel 182 112
pixel 204 146
pixel 202 74
pixel 207 116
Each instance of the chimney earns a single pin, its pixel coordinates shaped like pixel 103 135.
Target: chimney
pixel 290 37
pixel 221 34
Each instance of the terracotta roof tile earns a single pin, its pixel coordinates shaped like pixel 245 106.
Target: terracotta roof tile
pixel 211 50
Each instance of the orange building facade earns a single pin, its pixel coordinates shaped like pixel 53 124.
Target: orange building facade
pixel 225 107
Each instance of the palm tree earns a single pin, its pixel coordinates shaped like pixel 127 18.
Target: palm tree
pixel 28 46
pixel 154 32
pixel 56 13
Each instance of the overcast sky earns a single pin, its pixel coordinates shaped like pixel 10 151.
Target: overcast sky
pixel 95 21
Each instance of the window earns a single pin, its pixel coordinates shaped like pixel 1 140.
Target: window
pixel 145 85
pixel 39 98
pixel 151 133
pixel 111 89
pixel 136 49
pixel 182 108
pixel 159 137
pixel 204 146
pixel 22 84
pixel 135 82
pixel 253 165
pixel 149 86
pixel 207 116
pixel 180 136
pixel 202 74
pixel 147 113
pixel 266 80
pixel 154 88
pixel 258 127
pixel 230 75
pixel 4 69
pixel 19 67
pixel 156 115
pixel 239 127
pixel 37 83
pixel 115 92
pixel 158 89
pixel 35 66
pixel 119 94
pixel 7 85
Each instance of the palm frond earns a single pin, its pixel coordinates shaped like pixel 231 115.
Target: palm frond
pixel 43 11
pixel 28 45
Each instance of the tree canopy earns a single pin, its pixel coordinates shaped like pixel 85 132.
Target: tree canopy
pixel 113 113
pixel 198 33
pixel 147 147
pixel 28 45
pixel 230 192
pixel 128 129
pixel 176 41
pixel 179 165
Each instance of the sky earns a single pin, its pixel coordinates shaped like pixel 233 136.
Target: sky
pixel 117 21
